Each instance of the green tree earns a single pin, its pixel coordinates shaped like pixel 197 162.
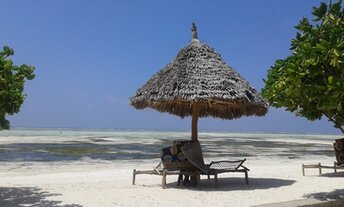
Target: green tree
pixel 12 80
pixel 310 81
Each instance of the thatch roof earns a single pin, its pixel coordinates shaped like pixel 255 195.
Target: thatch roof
pixel 199 75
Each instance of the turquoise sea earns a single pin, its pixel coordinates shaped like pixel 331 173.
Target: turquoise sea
pixel 21 145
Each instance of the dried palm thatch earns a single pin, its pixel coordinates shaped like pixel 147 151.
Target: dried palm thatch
pixel 198 80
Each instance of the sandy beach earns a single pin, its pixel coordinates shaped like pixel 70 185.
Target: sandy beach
pixel 109 184
pixel 98 182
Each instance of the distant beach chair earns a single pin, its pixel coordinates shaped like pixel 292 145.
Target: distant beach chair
pixel 193 152
pixel 338 165
pixel 319 166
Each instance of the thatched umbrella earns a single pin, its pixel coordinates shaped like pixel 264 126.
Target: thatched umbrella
pixel 199 83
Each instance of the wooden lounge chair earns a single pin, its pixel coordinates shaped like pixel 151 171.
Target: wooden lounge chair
pixel 191 165
pixel 158 170
pixel 338 165
pixel 319 166
pixel 193 152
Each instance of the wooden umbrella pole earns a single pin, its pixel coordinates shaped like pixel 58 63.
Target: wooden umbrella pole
pixel 195 115
pixel 194 135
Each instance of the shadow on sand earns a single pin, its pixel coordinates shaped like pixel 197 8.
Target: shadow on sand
pixel 32 197
pixel 231 184
pixel 334 175
pixel 325 196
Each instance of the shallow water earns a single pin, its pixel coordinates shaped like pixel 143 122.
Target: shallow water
pixel 64 145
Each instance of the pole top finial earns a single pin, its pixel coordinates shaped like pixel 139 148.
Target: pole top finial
pixel 194 31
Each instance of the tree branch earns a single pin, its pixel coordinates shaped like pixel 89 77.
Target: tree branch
pixel 336 125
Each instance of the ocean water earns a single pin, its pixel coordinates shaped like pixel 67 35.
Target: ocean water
pixel 21 145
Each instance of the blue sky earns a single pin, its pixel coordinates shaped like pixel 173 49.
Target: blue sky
pixel 91 56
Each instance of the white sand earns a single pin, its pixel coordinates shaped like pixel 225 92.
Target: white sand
pixel 105 183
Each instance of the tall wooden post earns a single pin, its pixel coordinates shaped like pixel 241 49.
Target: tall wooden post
pixel 194 136
pixel 195 115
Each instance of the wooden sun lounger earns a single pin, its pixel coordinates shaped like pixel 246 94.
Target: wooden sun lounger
pixel 193 152
pixel 158 170
pixel 230 166
pixel 335 167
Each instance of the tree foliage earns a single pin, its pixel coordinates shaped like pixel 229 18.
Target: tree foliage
pixel 12 80
pixel 310 81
